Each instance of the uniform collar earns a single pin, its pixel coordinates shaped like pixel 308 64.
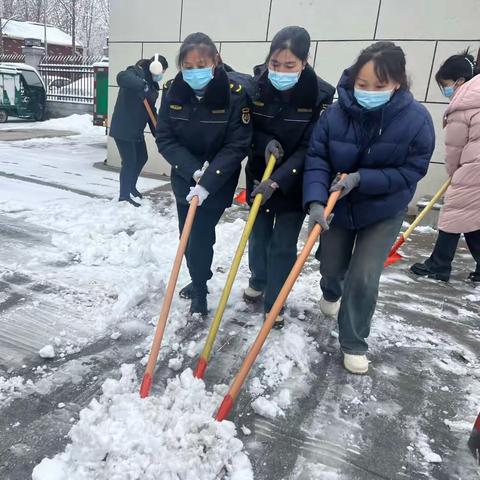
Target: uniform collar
pixel 304 94
pixel 217 93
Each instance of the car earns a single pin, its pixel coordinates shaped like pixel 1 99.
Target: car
pixel 55 83
pixel 22 92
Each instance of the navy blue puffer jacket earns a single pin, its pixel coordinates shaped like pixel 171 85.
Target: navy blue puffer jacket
pixel 390 147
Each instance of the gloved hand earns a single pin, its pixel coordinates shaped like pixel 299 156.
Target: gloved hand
pixel 317 215
pixel 266 188
pixel 198 191
pixel 274 148
pixel 351 181
pixel 198 174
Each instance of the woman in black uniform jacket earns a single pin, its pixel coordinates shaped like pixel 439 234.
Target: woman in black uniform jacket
pixel 137 83
pixel 204 131
pixel 289 98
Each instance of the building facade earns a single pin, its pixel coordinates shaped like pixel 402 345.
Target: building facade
pixel 428 30
pixel 15 33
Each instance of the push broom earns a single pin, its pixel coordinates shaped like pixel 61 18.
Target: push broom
pixel 212 334
pixel 167 300
pixel 394 256
pixel 234 390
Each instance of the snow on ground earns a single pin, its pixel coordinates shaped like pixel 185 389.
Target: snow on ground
pixel 106 266
pixel 168 437
pixel 44 159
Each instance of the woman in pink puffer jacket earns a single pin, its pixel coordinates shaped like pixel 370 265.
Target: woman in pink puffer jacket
pixel 459 80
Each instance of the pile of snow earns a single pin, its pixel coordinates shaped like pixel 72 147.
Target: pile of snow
pixel 76 123
pixel 168 437
pixel 11 388
pixel 287 356
pixel 47 351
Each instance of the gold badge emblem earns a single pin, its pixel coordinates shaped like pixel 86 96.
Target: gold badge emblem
pixel 246 115
pixel 175 107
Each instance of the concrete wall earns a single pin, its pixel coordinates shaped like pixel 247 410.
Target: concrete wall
pixel 428 31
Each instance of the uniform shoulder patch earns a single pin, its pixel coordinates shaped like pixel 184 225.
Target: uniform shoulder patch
pixel 167 84
pixel 246 115
pixel 235 87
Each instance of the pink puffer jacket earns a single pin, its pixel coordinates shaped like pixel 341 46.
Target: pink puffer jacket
pixel 461 210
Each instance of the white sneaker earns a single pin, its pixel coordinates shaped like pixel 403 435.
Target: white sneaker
pixel 252 295
pixel 330 309
pixel 355 363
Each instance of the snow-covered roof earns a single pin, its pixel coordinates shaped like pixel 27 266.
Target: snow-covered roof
pixel 16 29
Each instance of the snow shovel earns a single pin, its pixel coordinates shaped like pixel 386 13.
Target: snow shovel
pixel 167 300
pixel 207 349
pixel 232 394
pixel 150 112
pixel 394 256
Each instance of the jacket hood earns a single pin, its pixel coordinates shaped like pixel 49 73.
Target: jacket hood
pixel 466 97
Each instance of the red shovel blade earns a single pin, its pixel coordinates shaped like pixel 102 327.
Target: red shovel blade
pixel 241 197
pixel 224 409
pixel 146 385
pixel 393 258
pixel 201 367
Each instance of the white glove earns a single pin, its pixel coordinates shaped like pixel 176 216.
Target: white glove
pixel 199 173
pixel 198 191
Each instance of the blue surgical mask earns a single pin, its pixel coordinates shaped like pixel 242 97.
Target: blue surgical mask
pixel 448 91
pixel 157 78
pixel 283 81
pixel 198 78
pixel 370 100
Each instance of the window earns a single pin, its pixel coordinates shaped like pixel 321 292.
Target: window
pixel 31 78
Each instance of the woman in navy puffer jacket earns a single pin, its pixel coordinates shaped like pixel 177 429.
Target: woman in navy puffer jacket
pixel 383 139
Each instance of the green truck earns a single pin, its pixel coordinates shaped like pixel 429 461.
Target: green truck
pixel 22 92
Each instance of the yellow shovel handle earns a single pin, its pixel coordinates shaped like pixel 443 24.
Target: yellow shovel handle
pixel 235 264
pixel 427 208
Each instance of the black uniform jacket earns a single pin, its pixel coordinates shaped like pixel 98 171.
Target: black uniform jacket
pixel 217 128
pixel 288 117
pixel 130 115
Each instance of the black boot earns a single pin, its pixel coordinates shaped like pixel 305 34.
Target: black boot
pixel 136 193
pixel 130 201
pixel 422 270
pixel 199 301
pixel 474 277
pixel 186 291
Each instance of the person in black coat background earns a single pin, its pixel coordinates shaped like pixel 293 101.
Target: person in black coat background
pixel 130 117
pixel 288 101
pixel 204 131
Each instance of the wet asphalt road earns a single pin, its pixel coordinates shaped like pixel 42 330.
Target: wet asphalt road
pixel 358 427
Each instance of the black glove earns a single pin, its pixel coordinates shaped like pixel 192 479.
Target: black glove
pixel 274 148
pixel 265 188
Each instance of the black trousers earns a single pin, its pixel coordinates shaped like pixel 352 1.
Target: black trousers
pixel 199 252
pixel 441 259
pixel 272 251
pixel 134 157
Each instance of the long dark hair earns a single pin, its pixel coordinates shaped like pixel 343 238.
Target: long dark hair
pixel 388 60
pixel 461 65
pixel 295 39
pixel 197 41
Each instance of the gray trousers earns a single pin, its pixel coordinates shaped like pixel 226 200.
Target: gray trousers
pixel 351 262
